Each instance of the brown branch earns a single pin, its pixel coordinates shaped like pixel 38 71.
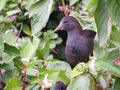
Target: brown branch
pixel 93 79
pixel 24 77
pixel 64 7
pixel 19 32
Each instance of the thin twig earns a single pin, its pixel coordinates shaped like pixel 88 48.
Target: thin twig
pixel 64 7
pixel 54 51
pixel 19 32
pixel 93 79
pixel 24 77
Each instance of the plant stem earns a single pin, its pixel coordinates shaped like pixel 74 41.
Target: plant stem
pixel 64 7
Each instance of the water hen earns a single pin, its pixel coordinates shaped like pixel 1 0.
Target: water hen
pixel 79 45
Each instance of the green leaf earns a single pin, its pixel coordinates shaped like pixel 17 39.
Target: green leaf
pixel 9 39
pixel 13 84
pixel 72 2
pixel 33 63
pixel 114 8
pixel 80 83
pixel 11 50
pixel 44 50
pixel 40 12
pixel 58 40
pixel 52 44
pixel 1 47
pixel 107 65
pixel 26 29
pixel 2 4
pixel 12 12
pixel 113 54
pixel 102 19
pixel 117 83
pixel 36 42
pixel 27 50
pixel 115 34
pixel 59 65
pixel 81 68
pixel 6 66
pixel 11 4
pixel 29 4
pixel 31 71
pixel 18 64
pixel 55 75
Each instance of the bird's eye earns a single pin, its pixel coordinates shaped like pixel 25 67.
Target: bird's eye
pixel 65 22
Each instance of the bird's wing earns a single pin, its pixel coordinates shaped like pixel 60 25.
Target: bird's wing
pixel 89 33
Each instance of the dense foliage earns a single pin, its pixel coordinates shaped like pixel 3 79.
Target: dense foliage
pixel 32 55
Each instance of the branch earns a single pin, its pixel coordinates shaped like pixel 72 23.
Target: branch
pixel 64 7
pixel 19 32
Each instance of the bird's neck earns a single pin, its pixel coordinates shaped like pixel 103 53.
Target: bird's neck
pixel 74 32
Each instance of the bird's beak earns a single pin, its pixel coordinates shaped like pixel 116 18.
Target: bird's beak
pixel 59 27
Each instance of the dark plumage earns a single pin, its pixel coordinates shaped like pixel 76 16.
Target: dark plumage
pixel 59 85
pixel 79 45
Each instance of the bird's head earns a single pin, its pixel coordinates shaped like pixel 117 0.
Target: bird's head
pixel 68 23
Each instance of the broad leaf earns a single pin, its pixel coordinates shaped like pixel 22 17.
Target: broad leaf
pixel 59 65
pixel 73 2
pixel 27 51
pixel 55 75
pixel 31 71
pixel 18 64
pixel 81 68
pixel 13 84
pixel 117 84
pixel 114 8
pixel 9 39
pixel 103 23
pixel 2 4
pixel 107 65
pixel 1 47
pixel 12 12
pixel 35 42
pixel 40 12
pixel 11 50
pixel 80 83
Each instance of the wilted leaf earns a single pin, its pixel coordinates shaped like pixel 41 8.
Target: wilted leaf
pixel 40 12
pixel 102 19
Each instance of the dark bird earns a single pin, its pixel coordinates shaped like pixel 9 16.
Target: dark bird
pixel 59 85
pixel 79 45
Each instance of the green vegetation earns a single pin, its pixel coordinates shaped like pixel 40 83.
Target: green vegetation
pixel 32 56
